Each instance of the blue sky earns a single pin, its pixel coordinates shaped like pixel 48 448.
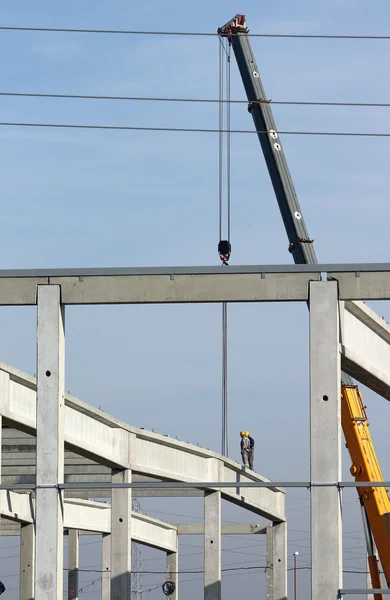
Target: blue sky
pixel 75 198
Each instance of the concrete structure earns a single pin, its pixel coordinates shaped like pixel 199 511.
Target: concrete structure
pixel 343 334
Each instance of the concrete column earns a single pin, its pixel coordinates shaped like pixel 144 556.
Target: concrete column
pixel 172 572
pixel 270 563
pixel 368 580
pixel 279 552
pixel 212 546
pixel 106 566
pixel 50 444
pixel 27 555
pixel 121 537
pixel 73 564
pixel 325 441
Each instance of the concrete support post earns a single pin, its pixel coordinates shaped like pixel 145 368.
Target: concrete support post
pixel 121 537
pixel 27 555
pixel 368 580
pixel 73 564
pixel 269 563
pixel 279 560
pixel 50 444
pixel 106 566
pixel 212 546
pixel 172 572
pixel 325 441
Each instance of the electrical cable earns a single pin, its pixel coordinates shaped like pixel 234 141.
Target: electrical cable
pixel 193 100
pixel 190 130
pixel 193 33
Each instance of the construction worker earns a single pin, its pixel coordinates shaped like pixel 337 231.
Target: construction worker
pixel 251 453
pixel 245 448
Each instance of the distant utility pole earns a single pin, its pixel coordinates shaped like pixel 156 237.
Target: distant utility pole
pixel 295 574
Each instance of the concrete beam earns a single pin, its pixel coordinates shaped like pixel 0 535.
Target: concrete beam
pixel 253 283
pixel 154 533
pixel 226 529
pixel 360 285
pixel 156 289
pixel 90 517
pixel 87 515
pixel 20 292
pixel 98 436
pixel 16 507
pixel 365 345
pixel 325 440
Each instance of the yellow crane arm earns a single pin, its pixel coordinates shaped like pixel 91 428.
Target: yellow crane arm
pixel 365 467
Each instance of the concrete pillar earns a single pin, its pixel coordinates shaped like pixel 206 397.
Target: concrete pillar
pixel 50 444
pixel 368 580
pixel 106 566
pixel 325 441
pixel 269 563
pixel 212 546
pixel 279 560
pixel 172 572
pixel 27 555
pixel 73 564
pixel 121 537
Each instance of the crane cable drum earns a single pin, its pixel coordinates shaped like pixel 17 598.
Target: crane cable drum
pixel 224 245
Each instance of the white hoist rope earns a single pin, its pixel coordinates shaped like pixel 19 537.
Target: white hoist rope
pixel 224 54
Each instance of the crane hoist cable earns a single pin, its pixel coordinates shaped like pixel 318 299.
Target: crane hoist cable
pixel 224 246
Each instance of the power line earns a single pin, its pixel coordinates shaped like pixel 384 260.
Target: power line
pixel 189 129
pixel 191 100
pixel 195 33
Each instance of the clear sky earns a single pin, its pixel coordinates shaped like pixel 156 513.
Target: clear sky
pixel 73 198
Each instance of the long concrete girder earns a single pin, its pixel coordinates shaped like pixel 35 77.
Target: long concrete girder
pixel 100 437
pixel 91 517
pixel 252 283
pixel 18 466
pixel 226 529
pixel 365 347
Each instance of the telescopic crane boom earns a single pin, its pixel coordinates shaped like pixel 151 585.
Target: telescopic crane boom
pixel 374 500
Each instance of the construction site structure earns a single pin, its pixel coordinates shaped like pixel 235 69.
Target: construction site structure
pixel 375 501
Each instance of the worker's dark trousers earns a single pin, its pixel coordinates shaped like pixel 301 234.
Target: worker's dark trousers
pixel 251 456
pixel 245 458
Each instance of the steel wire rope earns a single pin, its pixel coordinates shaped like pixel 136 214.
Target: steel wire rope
pixel 191 100
pixel 224 54
pixel 193 33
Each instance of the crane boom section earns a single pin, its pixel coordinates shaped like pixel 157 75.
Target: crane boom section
pixel 300 245
pixel 365 467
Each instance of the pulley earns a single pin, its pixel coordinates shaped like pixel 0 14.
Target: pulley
pixel 224 250
pixel 168 588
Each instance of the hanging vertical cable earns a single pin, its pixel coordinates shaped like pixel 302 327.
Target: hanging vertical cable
pixel 224 246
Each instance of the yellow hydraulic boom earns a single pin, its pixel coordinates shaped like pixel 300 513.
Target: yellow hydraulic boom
pixel 365 468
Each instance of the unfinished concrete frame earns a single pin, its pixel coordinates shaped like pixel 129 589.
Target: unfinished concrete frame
pixel 344 335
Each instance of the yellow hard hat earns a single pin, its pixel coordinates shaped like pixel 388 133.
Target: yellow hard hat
pixel 247 433
pixel 242 433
